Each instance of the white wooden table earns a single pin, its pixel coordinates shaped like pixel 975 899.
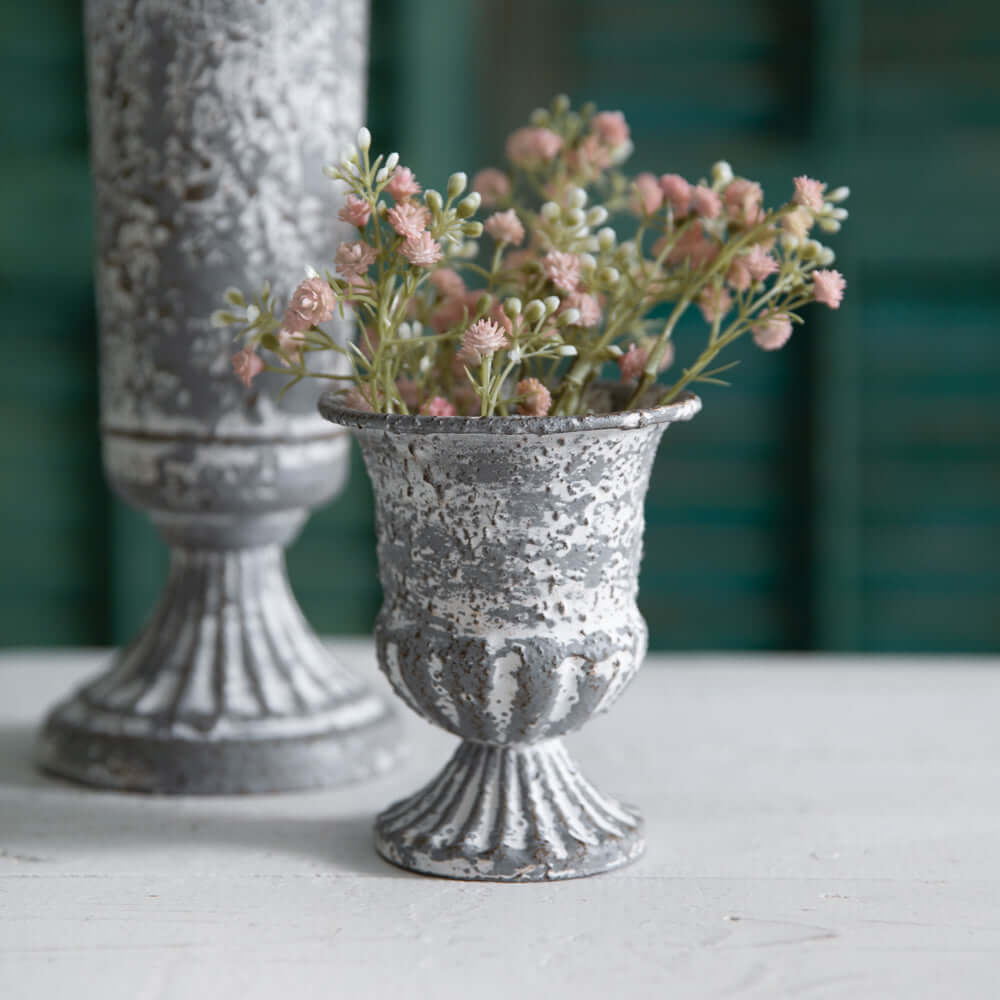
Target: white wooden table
pixel 817 828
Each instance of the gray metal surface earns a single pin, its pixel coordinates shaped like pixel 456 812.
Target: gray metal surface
pixel 509 550
pixel 210 122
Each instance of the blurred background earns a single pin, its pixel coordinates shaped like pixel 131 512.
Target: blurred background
pixel 843 495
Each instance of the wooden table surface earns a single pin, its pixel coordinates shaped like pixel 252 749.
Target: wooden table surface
pixel 818 827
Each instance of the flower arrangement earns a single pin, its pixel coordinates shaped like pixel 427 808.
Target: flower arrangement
pixel 525 325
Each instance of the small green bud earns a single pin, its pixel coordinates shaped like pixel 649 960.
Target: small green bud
pixel 839 194
pixel 550 210
pixel 552 303
pixel 597 215
pixel 473 229
pixel 606 238
pixel 608 275
pixel 576 197
pixel 540 117
pixel 433 201
pixel 512 307
pixel 574 217
pixel 468 205
pixel 587 262
pixel 456 184
pixel 569 318
pixel 828 225
pixel 560 104
pixel 235 297
pixel 534 311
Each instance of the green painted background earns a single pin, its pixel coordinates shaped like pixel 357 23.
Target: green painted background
pixel 845 494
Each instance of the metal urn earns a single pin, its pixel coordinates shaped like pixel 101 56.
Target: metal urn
pixel 211 120
pixel 509 552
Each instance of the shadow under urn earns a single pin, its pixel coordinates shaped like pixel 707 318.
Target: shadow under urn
pixel 508 552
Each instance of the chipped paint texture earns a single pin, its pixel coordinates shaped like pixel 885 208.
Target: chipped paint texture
pixel 210 122
pixel 509 552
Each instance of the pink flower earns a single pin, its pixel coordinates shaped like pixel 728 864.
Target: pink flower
pixel 528 147
pixel 738 277
pixel 632 362
pixel 611 128
pixel 402 184
pixel 678 192
pixel 648 194
pixel 760 263
pixel 693 246
pixel 247 365
pixel 481 340
pixel 587 305
pixel 408 218
pixel 290 344
pixel 562 269
pixel 422 250
pixel 828 288
pixel 492 185
pixel 354 399
pixel 743 200
pixel 706 202
pixel 809 193
pixel 356 211
pixel 447 281
pixel 714 303
pixel 505 227
pixel 354 259
pixel 798 222
pixel 535 398
pixel 772 333
pixel 312 302
pixel 438 407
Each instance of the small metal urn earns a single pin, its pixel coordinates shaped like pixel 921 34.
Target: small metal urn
pixel 210 121
pixel 509 553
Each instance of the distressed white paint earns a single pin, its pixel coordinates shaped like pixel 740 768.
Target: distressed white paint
pixel 817 827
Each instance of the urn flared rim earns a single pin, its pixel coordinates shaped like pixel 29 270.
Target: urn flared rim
pixel 330 406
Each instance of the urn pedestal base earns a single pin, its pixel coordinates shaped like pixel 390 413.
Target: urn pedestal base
pixel 226 690
pixel 520 813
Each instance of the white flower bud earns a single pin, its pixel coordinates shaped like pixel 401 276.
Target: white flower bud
pixel 722 174
pixel 839 194
pixel 404 331
pixel 433 201
pixel 811 249
pixel 425 364
pixel 382 207
pixel 364 139
pixel 827 257
pixel 311 272
pixel 568 351
pixel 591 245
pixel 534 311
pixel 828 225
pixel 576 197
pixel 391 161
pixel 570 317
pixel 331 170
pixel 839 214
pixel 606 238
pixel 382 175
pixel 515 354
pixel 253 313
pixel 609 275
pixel 468 205
pixel 539 117
pixel 597 215
pixel 615 351
pixel 550 210
pixel 469 250
pixel 456 184
pixel 587 262
pixel 574 217
pixel 789 242
pixel 551 303
pixel 512 307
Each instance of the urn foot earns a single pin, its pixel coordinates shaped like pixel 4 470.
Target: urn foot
pixel 225 690
pixel 519 813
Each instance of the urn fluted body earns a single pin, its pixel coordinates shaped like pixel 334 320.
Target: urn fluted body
pixel 509 551
pixel 210 123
